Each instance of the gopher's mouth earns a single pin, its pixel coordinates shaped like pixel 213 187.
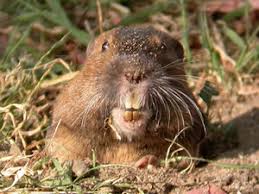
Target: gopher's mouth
pixel 131 120
pixel 132 115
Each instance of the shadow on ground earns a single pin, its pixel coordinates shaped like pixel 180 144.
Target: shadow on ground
pixel 238 131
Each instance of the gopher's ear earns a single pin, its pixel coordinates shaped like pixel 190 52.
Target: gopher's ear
pixel 173 52
pixel 178 49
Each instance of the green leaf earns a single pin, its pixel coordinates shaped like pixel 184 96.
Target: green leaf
pixel 57 16
pixel 30 16
pixel 143 15
pixel 216 64
pixel 59 12
pixel 247 57
pixel 58 166
pixel 205 35
pixel 13 46
pixel 235 14
pixel 234 37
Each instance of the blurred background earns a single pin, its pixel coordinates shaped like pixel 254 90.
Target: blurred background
pixel 43 44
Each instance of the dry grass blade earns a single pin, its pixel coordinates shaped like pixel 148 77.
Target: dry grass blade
pixel 58 80
pixel 49 67
pixel 100 16
pixel 17 173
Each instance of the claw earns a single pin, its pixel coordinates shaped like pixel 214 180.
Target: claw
pixel 147 162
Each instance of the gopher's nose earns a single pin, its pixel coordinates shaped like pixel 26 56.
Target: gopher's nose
pixel 134 77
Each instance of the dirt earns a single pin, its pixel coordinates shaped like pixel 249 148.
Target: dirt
pixel 233 147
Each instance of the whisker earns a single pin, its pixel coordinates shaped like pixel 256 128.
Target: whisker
pixel 183 103
pixel 173 103
pixel 172 95
pixel 177 63
pixel 206 88
pixel 151 96
pixel 196 108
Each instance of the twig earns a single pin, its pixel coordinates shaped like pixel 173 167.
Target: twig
pixel 60 79
pixel 54 31
pixel 48 65
pixel 100 16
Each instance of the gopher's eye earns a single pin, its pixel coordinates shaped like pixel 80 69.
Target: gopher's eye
pixel 105 46
pixel 163 46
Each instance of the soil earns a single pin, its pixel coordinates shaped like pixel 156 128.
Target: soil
pixel 233 145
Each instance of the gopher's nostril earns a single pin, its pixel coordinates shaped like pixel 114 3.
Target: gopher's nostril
pixel 134 77
pixel 129 77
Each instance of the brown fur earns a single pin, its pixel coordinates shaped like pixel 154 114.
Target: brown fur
pixel 74 134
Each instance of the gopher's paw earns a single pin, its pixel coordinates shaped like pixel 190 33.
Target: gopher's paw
pixel 80 167
pixel 146 161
